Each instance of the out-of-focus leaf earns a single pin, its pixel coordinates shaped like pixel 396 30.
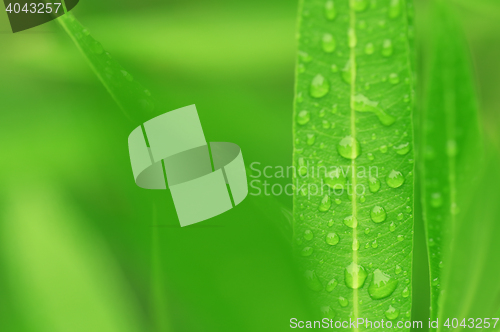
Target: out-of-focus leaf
pixel 353 112
pixel 62 274
pixel 458 182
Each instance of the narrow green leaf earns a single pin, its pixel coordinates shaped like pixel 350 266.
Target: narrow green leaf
pixel 458 182
pixel 134 100
pixel 353 153
pixel 60 270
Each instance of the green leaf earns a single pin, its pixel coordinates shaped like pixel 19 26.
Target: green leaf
pixel 353 129
pixel 458 182
pixel 60 270
pixel 134 100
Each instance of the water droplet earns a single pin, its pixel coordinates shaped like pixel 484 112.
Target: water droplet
pixel 436 200
pixel 335 179
pixel 374 136
pixel 334 109
pixel 363 104
pixel 369 48
pixel 350 222
pixel 337 201
pixel 387 48
pixel 383 149
pixel 362 199
pixel 441 264
pixel 330 222
pixel 351 37
pixel 393 78
pixel 308 234
pixel 408 209
pixel 319 86
pixel 392 227
pixel 330 11
pixel 398 269
pixel 394 8
pixel 301 68
pixel 355 244
pixel 374 184
pixel 402 149
pixel 355 276
pixel 358 5
pixel 378 214
pixel 303 117
pixel 327 312
pixel 310 139
pixel 451 148
pixel 374 244
pixel 325 124
pixel 406 292
pixel 332 239
pixel 325 204
pixel 298 241
pixel 370 156
pixel 367 245
pixel 391 313
pixel 328 43
pixel 346 72
pixel 401 238
pixel 400 216
pixel 349 147
pixel 343 302
pixel 305 57
pixel 312 281
pixel 381 286
pixel 307 251
pixel 331 285
pixel 395 179
pixel 367 230
pixel 435 282
pixel 334 68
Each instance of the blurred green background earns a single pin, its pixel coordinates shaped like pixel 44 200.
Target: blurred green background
pixel 82 248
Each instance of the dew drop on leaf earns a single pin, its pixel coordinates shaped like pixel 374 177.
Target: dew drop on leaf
pixel 392 227
pixel 330 12
pixel 319 86
pixel 343 302
pixel 405 292
pixel 334 68
pixel 395 179
pixel 358 5
pixel 351 38
pixel 325 124
pixel 381 286
pixel 370 156
pixel 369 48
pixel 325 204
pixel 303 117
pixel 328 43
pixel 346 72
pixel 387 48
pixel 363 104
pixel 332 239
pixel 328 312
pixel 400 216
pixel 308 234
pixel 436 200
pixel 335 179
pixel 355 276
pixel 374 184
pixel 397 269
pixel 355 244
pixel 349 147
pixel 391 313
pixel 378 214
pixel 374 244
pixel 311 138
pixel 383 149
pixel 362 199
pixel 312 281
pixel 394 8
pixel 367 230
pixel 401 238
pixel 351 222
pixel 402 149
pixel 393 78
pixel 331 285
pixel 307 251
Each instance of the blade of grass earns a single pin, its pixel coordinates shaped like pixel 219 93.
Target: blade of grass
pixel 132 98
pixel 457 181
pixel 355 86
